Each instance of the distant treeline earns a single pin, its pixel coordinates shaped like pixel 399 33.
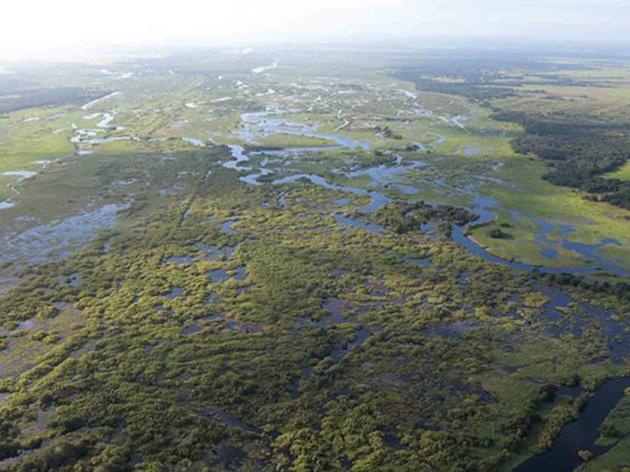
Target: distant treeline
pixel 578 151
pixel 619 289
pixel 477 91
pixel 14 100
pixel 480 77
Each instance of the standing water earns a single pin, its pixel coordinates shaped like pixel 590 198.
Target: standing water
pixel 581 434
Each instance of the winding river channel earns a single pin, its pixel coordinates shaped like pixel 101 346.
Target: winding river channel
pixel 392 177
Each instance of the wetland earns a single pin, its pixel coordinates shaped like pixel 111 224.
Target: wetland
pixel 268 261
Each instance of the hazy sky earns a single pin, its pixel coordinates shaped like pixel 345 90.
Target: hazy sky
pixel 65 26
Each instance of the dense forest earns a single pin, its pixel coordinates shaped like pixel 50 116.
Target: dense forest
pixel 577 153
pixel 577 149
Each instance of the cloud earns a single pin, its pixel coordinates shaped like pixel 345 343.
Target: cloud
pixel 61 26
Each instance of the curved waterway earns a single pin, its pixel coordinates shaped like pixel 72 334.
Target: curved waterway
pixel 259 124
pixel 581 434
pixel 485 209
pixel 386 176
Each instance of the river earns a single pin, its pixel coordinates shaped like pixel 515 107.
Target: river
pixel 387 176
pixel 581 434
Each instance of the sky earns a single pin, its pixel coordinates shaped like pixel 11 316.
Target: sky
pixel 62 28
